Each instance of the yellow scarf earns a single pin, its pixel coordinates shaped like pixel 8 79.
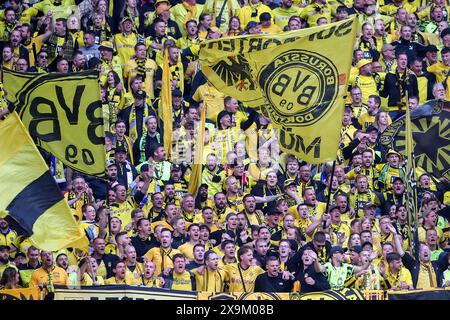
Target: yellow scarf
pixel 132 122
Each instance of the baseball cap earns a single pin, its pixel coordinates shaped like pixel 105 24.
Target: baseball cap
pixel 265 16
pixel 110 162
pixel 177 93
pixel 106 45
pixel 337 249
pixel 333 207
pixel 125 19
pixel 431 48
pixel 120 148
pixel 392 151
pixel 371 128
pixel 361 63
pixel 175 167
pixel 356 249
pixel 139 94
pixel 289 182
pixel 370 205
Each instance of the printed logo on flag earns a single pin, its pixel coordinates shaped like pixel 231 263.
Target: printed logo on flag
pixel 301 87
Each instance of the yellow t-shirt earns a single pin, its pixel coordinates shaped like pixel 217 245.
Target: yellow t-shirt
pixel 40 276
pixel 131 70
pixel 161 258
pixel 125 46
pixel 240 280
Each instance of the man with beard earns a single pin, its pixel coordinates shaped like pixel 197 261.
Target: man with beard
pixel 396 196
pixel 170 195
pixel 4 259
pixel 210 277
pixel 178 180
pixel 163 256
pixel 80 195
pixel 362 195
pixel 220 208
pixel 26 269
pixel 367 168
pixel 8 236
pixel 18 50
pixel 254 217
pixel 231 227
pixel 267 193
pixel 48 274
pixel 213 175
pixel 202 199
pixel 62 261
pixel 120 274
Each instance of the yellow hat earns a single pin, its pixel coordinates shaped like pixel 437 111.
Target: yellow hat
pixel 106 45
pixel 392 151
pixel 361 63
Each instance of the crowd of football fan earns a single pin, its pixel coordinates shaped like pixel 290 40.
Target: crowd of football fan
pixel 259 221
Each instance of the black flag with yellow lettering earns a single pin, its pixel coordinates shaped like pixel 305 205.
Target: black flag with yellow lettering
pixel 430 126
pixel 63 114
pixel 30 195
pixel 297 79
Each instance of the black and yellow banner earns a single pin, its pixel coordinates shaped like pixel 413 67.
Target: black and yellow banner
pixel 437 294
pixel 30 195
pixel 121 292
pixel 430 126
pixel 296 78
pixel 63 114
pixel 22 294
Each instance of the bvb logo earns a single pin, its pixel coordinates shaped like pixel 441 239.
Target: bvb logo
pixel 300 85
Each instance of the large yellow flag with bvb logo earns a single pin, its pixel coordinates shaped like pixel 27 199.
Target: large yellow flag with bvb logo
pixel 63 114
pixel 297 79
pixel 30 195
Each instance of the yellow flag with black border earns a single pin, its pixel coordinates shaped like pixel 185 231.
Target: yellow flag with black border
pixel 297 79
pixel 30 195
pixel 63 114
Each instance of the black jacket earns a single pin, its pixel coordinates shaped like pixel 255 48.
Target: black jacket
pixel 413 266
pixel 321 282
pixel 264 283
pixel 411 48
pixel 391 88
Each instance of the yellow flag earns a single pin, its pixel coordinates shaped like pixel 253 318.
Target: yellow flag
pixel 166 102
pixel 63 114
pixel 30 195
pixel 196 175
pixel 297 79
